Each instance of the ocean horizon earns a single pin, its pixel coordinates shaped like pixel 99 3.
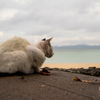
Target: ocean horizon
pixel 75 56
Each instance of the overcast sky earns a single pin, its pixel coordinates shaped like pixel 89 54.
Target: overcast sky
pixel 70 22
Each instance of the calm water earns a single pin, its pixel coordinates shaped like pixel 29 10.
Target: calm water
pixel 75 56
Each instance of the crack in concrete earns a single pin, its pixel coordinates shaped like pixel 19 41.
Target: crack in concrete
pixel 64 89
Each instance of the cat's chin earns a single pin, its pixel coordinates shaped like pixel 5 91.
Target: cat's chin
pixel 50 56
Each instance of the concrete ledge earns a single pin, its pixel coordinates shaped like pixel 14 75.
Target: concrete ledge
pixel 58 85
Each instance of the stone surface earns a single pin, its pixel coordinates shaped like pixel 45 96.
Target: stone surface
pixel 58 85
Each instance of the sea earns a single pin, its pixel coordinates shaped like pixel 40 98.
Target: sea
pixel 75 56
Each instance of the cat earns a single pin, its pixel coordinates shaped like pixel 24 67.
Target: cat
pixel 18 55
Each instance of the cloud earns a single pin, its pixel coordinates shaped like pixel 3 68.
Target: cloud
pixel 4 37
pixel 69 22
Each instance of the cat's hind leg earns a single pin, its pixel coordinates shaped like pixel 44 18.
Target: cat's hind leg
pixel 8 68
pixel 16 61
pixel 11 62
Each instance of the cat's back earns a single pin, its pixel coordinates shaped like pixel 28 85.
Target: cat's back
pixel 15 43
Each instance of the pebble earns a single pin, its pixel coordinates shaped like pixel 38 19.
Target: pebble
pixel 42 86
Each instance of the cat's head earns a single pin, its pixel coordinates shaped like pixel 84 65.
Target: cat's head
pixel 47 48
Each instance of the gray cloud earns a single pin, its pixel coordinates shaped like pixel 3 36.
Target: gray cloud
pixel 74 20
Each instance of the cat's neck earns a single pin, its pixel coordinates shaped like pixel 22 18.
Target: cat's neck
pixel 39 46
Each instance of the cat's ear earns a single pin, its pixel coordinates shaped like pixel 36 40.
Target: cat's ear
pixel 46 43
pixel 49 40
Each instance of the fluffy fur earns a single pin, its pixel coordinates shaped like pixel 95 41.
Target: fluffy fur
pixel 17 54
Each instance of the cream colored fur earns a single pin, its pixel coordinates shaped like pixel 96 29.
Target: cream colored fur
pixel 17 54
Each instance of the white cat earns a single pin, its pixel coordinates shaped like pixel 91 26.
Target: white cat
pixel 17 54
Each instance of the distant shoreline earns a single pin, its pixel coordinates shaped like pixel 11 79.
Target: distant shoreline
pixel 78 47
pixel 71 65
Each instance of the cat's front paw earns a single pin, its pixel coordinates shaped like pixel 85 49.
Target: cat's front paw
pixel 38 70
